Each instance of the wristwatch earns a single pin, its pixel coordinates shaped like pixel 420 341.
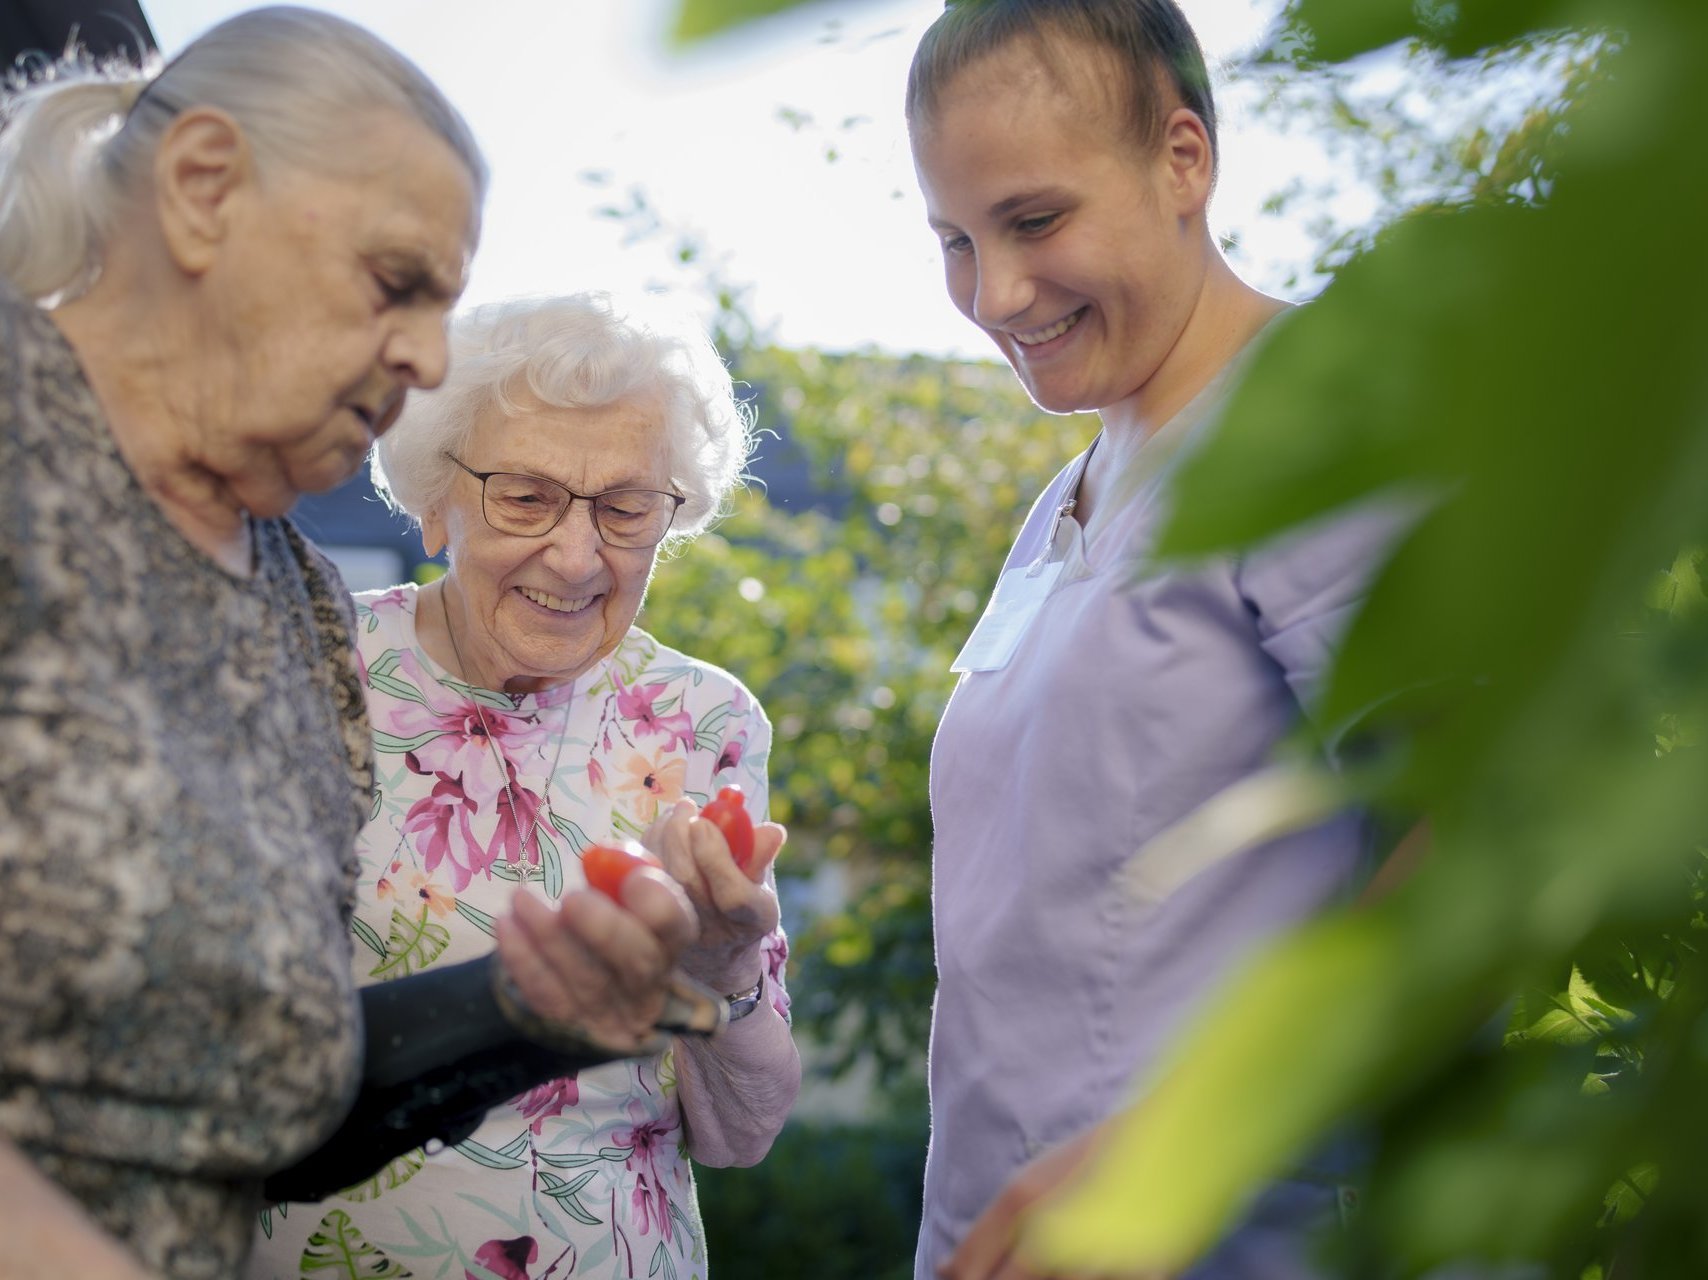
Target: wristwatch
pixel 743 1003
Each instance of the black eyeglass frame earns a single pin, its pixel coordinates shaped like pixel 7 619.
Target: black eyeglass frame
pixel 591 499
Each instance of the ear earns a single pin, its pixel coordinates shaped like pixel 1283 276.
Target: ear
pixel 203 160
pixel 1189 159
pixel 432 533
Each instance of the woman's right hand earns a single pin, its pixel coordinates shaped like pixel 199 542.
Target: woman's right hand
pixel 736 906
pixel 596 967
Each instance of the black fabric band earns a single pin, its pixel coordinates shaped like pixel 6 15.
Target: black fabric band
pixel 438 1053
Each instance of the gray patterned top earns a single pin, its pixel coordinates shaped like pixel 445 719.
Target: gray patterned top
pixel 186 763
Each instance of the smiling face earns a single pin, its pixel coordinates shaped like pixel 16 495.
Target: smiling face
pixel 325 303
pixel 1078 250
pixel 528 613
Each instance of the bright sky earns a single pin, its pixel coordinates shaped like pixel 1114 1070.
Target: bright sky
pixel 582 105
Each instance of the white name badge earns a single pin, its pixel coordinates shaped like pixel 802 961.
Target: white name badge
pixel 1018 596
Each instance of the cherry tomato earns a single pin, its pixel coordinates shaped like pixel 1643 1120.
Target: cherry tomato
pixel 607 866
pixel 728 812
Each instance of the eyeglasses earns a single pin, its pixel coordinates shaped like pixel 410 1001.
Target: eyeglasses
pixel 532 506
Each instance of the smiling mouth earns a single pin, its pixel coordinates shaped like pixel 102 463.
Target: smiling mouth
pixel 557 604
pixel 1040 336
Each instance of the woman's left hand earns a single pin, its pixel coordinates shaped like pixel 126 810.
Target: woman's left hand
pixel 737 908
pixel 595 967
pixel 987 1251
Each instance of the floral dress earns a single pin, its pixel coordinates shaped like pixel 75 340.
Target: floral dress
pixel 480 793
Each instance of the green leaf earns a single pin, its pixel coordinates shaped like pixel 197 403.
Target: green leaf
pixel 474 693
pixel 577 838
pixel 338 1248
pixel 393 1176
pixel 487 1156
pixel 579 1159
pixel 413 945
pixel 365 931
pixel 565 1195
pixel 393 745
pixel 1626 1198
pixel 557 1186
pixel 662 1263
pixel 475 916
pixel 1340 31
pixel 551 862
pixel 697 19
pixel 712 723
pixel 1678 591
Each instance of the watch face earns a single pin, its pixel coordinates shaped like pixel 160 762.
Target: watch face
pixel 745 1002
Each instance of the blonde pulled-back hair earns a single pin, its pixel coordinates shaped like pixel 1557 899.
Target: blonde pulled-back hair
pixel 78 137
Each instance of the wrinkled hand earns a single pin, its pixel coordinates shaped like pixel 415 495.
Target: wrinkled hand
pixel 736 907
pixel 987 1251
pixel 594 966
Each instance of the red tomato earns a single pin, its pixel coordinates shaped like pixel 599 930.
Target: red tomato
pixel 728 812
pixel 607 866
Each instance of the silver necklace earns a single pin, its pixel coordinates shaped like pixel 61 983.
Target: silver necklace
pixel 504 760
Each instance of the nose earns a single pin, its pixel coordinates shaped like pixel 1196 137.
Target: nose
pixel 574 547
pixel 417 352
pixel 1001 289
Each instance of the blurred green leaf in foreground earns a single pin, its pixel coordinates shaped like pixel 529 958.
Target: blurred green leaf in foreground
pixel 1530 675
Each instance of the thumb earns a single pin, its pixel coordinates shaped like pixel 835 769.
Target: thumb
pixel 768 841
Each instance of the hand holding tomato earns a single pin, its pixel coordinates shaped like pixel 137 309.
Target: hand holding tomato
pixel 734 900
pixel 600 966
pixel 727 811
pixel 606 866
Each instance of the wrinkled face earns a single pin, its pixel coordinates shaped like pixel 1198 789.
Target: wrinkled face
pixel 326 303
pixel 534 612
pixel 1061 236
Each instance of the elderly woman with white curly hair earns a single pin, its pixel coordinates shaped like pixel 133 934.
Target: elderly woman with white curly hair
pixel 519 716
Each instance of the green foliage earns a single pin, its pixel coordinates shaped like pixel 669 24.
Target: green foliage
pixel 1411 127
pixel 845 626
pixel 1530 673
pixel 831 1201
pixel 698 19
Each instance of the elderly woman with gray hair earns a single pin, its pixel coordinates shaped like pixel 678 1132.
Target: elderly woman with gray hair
pixel 218 282
pixel 519 716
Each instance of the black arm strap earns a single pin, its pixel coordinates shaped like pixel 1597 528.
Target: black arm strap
pixel 438 1053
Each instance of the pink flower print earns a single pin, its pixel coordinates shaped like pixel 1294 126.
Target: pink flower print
pixel 596 777
pixel 634 702
pixel 647 1140
pixel 389 601
pixel 518 815
pixel 776 958
pixel 547 1100
pixel 636 705
pixel 442 826
pixel 505 1259
pixel 462 748
pixel 650 782
pixel 732 752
